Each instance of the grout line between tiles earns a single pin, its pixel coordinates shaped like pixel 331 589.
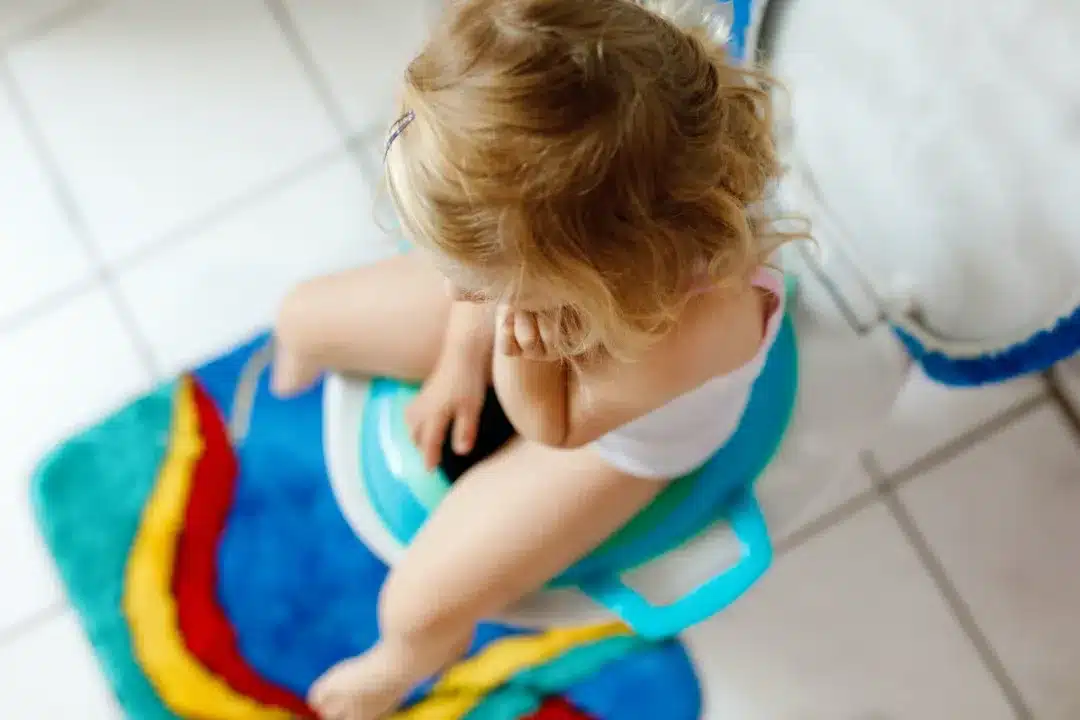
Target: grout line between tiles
pixel 103 278
pixel 940 577
pixel 310 67
pixel 359 145
pixel 66 200
pixel 31 622
pixel 230 207
pixel 837 297
pixel 130 322
pixel 48 304
pixel 53 21
pixel 963 442
pixel 1069 411
pixel 826 522
pixel 335 111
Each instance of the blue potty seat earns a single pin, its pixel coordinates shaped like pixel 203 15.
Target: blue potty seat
pixel 402 494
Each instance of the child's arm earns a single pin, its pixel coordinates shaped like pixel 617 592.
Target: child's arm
pixel 531 386
pixel 469 333
pixel 533 396
pixel 546 400
pixel 550 404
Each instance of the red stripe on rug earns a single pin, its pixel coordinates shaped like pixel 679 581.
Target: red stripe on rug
pixel 555 708
pixel 204 625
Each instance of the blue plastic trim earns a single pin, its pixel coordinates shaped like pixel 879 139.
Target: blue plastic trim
pixel 390 497
pixel 740 26
pixel 657 622
pixel 1036 354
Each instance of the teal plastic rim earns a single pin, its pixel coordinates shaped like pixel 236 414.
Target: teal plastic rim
pixel 403 493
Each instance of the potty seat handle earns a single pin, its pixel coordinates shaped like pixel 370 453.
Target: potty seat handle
pixel 655 622
pixel 247 388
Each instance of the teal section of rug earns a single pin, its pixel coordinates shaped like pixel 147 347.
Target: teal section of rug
pixel 88 496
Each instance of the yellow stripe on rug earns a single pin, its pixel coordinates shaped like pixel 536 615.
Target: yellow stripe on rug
pixel 185 686
pixel 464 685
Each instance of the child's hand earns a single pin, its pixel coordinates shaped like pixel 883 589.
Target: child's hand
pixel 520 333
pixel 449 401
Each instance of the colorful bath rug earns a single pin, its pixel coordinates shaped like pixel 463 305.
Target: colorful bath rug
pixel 218 582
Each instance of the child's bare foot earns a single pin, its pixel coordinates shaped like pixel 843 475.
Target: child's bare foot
pixel 292 372
pixel 367 687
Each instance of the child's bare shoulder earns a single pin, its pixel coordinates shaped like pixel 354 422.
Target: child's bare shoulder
pixel 717 333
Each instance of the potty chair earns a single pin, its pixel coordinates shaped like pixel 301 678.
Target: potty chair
pixel 707 538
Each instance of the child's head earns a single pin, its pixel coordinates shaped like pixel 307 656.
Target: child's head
pixel 583 157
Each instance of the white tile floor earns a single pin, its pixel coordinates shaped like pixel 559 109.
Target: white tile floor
pixel 168 169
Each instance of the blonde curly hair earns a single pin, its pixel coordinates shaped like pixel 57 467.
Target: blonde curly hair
pixel 602 154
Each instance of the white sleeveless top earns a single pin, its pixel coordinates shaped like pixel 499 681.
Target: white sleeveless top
pixel 680 436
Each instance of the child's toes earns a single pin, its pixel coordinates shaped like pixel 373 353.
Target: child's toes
pixel 322 699
pixel 330 706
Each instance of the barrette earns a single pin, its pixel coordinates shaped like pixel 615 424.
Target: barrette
pixel 397 128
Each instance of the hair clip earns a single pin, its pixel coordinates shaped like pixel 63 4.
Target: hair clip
pixel 397 128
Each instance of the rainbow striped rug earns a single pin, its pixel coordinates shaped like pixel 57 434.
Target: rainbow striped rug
pixel 218 582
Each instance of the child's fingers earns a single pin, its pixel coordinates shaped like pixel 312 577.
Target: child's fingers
pixel 416 433
pixel 545 325
pixel 526 333
pixel 434 433
pixel 414 415
pixel 505 341
pixel 504 318
pixel 506 344
pixel 464 430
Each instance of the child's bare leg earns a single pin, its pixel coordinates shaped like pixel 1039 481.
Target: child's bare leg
pixel 509 525
pixel 388 318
